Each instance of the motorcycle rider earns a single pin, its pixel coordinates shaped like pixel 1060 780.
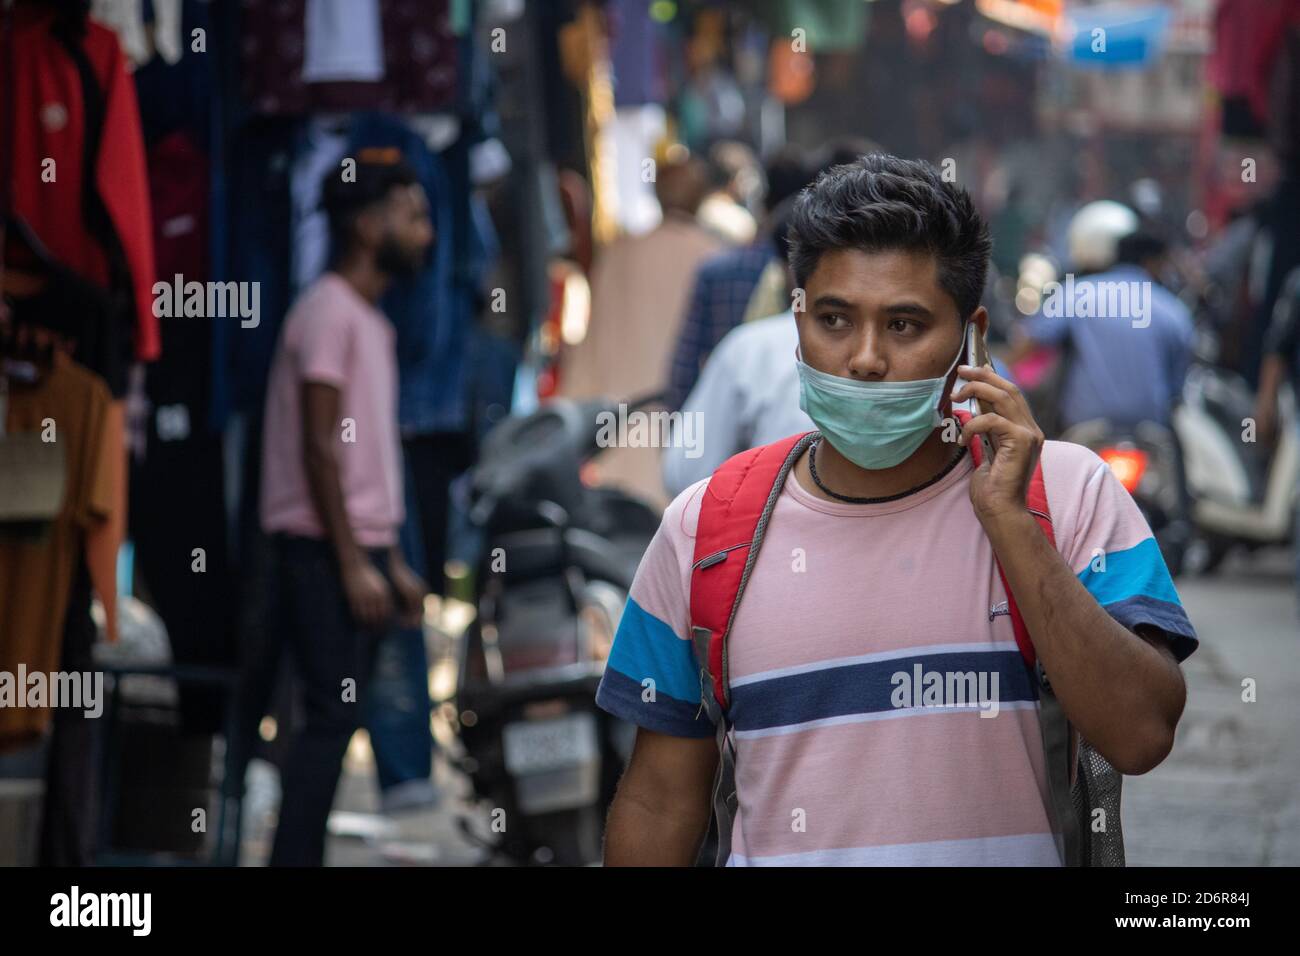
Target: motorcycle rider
pixel 1127 340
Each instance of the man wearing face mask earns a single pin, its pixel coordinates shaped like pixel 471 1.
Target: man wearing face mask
pixel 879 563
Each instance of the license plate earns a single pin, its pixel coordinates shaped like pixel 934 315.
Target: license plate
pixel 537 746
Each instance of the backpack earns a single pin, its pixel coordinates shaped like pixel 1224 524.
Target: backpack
pixel 734 512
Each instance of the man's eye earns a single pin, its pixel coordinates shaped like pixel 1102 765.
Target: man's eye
pixel 833 320
pixel 902 325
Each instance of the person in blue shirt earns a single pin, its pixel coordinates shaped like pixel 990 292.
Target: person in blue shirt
pixel 1127 339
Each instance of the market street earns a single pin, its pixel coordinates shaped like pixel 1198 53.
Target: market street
pixel 1226 796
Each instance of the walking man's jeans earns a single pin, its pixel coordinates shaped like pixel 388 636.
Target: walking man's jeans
pixel 333 657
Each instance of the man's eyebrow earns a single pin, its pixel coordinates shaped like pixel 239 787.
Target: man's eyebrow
pixel 908 308
pixel 833 302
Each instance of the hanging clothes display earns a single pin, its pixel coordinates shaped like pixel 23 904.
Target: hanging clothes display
pixel 287 56
pixel 36 570
pixel 1247 37
pixel 344 41
pixel 89 205
pixel 79 175
pixel 177 491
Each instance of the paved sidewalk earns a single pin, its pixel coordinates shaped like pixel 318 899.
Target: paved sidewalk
pixel 1229 794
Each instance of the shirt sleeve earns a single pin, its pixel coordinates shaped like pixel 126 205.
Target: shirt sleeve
pixel 651 678
pixel 1110 547
pixel 1046 329
pixel 122 178
pixel 323 345
pixel 97 500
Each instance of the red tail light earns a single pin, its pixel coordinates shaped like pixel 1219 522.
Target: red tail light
pixel 1128 464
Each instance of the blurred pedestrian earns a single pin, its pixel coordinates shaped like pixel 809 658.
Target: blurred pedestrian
pixel 724 284
pixel 332 480
pixel 748 393
pixel 737 181
pixel 1129 366
pixel 639 286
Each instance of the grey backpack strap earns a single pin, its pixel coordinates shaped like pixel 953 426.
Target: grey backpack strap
pixel 1055 730
pixel 725 799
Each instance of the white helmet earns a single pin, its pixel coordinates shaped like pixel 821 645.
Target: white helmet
pixel 1095 232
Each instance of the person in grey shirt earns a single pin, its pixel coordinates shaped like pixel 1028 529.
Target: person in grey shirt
pixel 747 395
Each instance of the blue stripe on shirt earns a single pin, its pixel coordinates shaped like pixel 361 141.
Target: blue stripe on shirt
pixel 869 687
pixel 647 647
pixel 1137 571
pixel 1135 588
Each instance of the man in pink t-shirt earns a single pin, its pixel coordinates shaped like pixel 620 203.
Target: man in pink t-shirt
pixel 877 577
pixel 331 496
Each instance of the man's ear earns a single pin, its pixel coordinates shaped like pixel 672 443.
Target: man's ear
pixel 981 318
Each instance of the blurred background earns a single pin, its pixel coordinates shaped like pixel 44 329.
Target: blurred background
pixel 608 183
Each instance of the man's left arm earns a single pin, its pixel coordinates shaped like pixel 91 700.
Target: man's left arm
pixel 1122 690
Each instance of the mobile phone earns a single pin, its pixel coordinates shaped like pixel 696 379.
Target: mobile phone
pixel 977 354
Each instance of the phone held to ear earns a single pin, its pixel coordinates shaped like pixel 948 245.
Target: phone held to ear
pixel 977 354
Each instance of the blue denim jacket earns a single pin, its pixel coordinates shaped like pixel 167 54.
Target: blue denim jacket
pixel 431 311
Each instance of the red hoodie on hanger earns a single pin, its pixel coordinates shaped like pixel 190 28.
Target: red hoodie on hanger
pixel 49 131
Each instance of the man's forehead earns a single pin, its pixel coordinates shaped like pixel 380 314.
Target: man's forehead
pixel 874 278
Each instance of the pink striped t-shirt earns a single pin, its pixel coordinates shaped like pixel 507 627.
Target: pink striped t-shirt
pixel 842 757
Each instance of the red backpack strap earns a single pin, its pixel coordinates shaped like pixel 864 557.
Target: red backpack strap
pixel 1036 502
pixel 734 511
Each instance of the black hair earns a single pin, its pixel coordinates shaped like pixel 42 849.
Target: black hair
pixel 881 202
pixel 787 171
pixel 1140 246
pixel 344 197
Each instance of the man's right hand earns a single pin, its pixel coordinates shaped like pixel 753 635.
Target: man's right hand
pixel 368 595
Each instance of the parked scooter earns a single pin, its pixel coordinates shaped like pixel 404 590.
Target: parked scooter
pixel 557 565
pixel 1244 491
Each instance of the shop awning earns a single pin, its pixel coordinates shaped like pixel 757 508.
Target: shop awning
pixel 1115 36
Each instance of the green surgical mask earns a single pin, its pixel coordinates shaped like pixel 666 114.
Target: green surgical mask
pixel 873 424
